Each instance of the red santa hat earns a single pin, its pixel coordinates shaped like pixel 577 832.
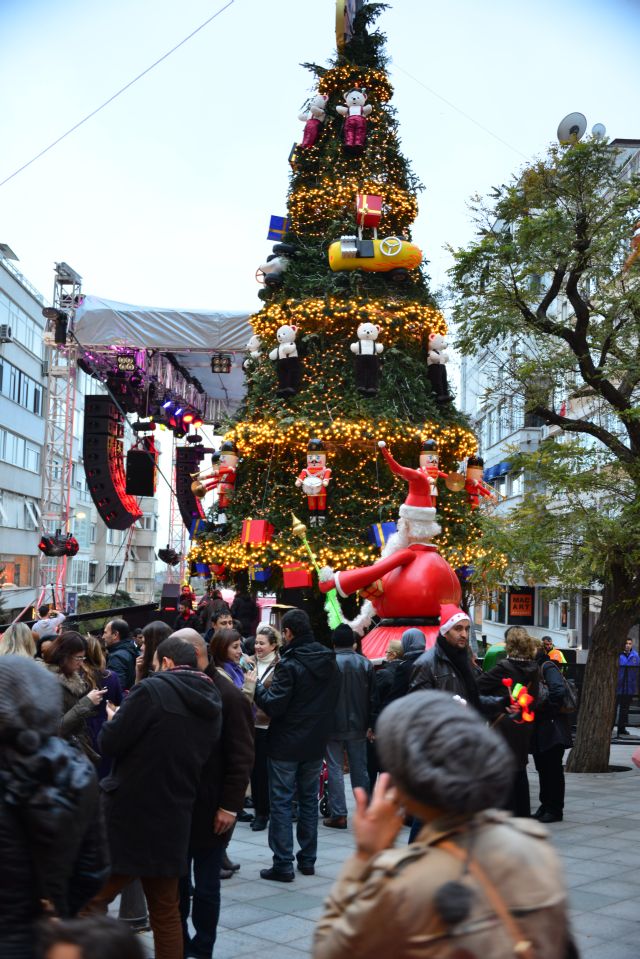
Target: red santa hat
pixel 451 615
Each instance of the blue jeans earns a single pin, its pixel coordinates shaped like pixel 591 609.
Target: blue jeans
pixel 284 777
pixel 205 907
pixel 357 753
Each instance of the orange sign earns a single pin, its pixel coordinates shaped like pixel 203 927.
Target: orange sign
pixel 520 604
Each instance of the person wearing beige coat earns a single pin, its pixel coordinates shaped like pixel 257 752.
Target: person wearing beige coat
pixel 476 883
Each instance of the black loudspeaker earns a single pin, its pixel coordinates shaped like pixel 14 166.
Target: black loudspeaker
pixel 141 473
pixel 104 463
pixel 170 596
pixel 188 459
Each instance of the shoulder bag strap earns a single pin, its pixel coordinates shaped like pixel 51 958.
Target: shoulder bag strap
pixel 521 947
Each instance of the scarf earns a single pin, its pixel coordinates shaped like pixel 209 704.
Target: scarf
pixel 459 659
pixel 266 664
pixel 235 673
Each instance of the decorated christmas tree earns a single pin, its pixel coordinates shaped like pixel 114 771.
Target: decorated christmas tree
pixel 348 351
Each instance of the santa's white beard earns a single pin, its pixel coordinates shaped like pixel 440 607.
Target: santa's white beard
pixel 410 531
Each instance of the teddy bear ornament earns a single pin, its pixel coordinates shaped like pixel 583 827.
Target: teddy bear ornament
pixel 313 118
pixel 367 352
pixel 287 361
pixel 355 111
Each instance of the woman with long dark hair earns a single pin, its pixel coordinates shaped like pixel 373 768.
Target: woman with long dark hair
pixel 226 652
pixel 101 678
pixel 152 635
pixel 66 658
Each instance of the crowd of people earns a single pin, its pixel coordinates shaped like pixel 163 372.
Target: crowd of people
pixel 130 758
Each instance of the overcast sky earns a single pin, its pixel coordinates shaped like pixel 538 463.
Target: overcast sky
pixel 163 198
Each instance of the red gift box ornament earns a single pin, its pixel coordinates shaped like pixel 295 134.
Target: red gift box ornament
pixel 368 209
pixel 256 532
pixel 296 575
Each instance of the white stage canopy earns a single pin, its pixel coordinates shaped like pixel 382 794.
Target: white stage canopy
pixel 192 336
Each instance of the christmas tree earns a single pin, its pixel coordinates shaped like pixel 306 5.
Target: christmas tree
pixel 397 403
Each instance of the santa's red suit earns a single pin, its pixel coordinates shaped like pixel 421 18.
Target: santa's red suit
pixel 408 586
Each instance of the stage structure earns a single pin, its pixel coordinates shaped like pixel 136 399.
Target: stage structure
pixel 177 369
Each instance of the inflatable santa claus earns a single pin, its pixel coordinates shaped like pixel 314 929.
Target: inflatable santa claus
pixel 411 581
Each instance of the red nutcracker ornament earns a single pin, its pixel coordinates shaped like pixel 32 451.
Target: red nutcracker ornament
pixel 314 480
pixel 356 112
pixel 206 480
pixel 473 481
pixel 411 581
pixel 430 464
pixel 226 478
pixel 313 119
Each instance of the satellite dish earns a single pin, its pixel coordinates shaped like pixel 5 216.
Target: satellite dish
pixel 599 130
pixel 572 127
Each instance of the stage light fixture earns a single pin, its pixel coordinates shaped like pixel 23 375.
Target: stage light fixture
pixel 126 362
pixel 194 438
pixel 167 404
pixel 188 418
pixel 221 363
pixel 178 412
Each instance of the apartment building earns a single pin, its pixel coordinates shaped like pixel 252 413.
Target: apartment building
pixel 107 558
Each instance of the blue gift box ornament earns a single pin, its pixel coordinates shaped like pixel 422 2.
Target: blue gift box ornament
pixel 379 533
pixel 259 574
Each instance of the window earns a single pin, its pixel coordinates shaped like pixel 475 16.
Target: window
pixel 16 451
pixel 93 567
pixel 113 574
pixel 94 533
pixel 22 389
pixel 542 618
pixel 517 484
pixel 31 519
pixel 32 458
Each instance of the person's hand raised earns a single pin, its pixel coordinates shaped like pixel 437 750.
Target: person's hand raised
pixel 376 823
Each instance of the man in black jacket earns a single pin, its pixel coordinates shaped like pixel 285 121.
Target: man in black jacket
pixel 300 702
pixel 447 665
pixel 352 721
pixel 223 783
pixel 122 652
pixel 160 738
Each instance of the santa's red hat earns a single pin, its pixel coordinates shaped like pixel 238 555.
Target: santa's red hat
pixel 451 615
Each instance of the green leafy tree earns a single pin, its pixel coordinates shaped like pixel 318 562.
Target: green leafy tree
pixel 272 433
pixel 546 292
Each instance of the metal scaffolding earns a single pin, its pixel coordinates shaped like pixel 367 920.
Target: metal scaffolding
pixel 61 357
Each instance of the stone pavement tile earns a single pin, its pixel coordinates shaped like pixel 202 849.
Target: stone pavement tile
pixel 247 889
pixel 281 928
pixel 602 926
pixel 230 945
pixel 573 850
pixel 313 913
pixel 329 869
pixel 609 950
pixel 614 888
pixel 614 842
pixel 585 900
pixel 625 909
pixel 240 914
pixel 625 857
pixel 292 902
pixel 585 941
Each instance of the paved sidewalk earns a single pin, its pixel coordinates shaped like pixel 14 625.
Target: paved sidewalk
pixel 599 841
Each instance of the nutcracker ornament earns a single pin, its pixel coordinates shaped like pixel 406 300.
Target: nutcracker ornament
pixel 430 464
pixel 226 478
pixel 411 581
pixel 473 481
pixel 206 480
pixel 314 480
pixel 313 119
pixel 356 111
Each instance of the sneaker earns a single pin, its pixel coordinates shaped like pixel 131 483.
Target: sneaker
pixel 307 870
pixel 277 876
pixel 335 822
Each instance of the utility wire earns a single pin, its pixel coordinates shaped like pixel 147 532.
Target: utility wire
pixel 117 94
pixel 462 113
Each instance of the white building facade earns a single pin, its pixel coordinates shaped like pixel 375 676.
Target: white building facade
pixel 107 558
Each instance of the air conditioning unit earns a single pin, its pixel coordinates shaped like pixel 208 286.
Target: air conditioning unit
pixel 44 368
pixel 572 638
pixel 5 333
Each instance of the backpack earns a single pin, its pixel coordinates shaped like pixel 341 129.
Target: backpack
pixel 570 698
